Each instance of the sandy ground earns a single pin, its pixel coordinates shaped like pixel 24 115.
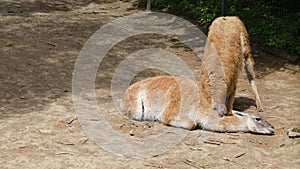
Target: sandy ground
pixel 40 42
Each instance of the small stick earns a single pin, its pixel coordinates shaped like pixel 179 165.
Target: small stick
pixel 217 141
pixel 68 144
pixel 122 126
pixel 194 148
pixel 188 162
pixel 208 142
pixel 62 153
pixel 72 120
pixel 84 141
pixel 240 155
pixel 152 165
pixel 227 159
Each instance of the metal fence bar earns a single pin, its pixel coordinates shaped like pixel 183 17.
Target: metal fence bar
pixel 148 5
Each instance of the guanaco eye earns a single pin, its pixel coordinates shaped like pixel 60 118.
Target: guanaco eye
pixel 257 119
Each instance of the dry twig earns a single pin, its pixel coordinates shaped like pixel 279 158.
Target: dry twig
pixel 189 162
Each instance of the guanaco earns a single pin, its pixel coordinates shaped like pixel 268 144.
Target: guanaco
pixel 228 41
pixel 181 102
pixel 178 102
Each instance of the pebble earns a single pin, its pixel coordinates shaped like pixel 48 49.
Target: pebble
pixel 293 134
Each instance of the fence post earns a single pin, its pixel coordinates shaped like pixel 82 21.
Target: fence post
pixel 149 5
pixel 224 7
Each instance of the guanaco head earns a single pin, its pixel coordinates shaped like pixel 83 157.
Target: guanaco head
pixel 255 124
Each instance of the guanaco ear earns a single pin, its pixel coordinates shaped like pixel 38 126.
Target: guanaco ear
pixel 239 113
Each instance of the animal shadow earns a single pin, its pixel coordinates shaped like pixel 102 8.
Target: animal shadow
pixel 243 103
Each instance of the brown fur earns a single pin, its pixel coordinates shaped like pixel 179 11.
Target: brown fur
pixel 228 41
pixel 176 101
pixel 180 102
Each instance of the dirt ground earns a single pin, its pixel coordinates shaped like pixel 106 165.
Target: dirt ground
pixel 40 42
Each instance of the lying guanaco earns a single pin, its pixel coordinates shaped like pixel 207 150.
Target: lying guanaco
pixel 178 102
pixel 228 41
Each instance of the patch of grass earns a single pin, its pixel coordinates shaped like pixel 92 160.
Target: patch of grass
pixel 296 130
pixel 269 22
